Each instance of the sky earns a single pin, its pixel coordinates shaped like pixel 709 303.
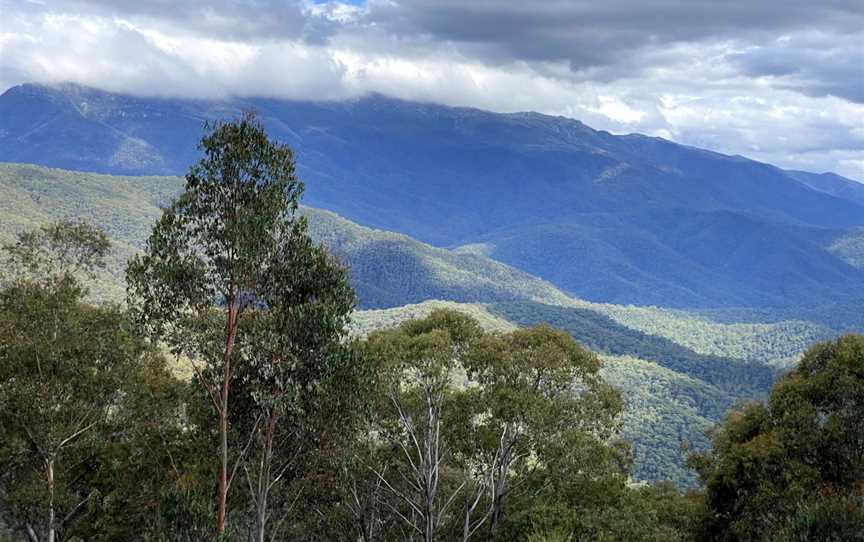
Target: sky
pixel 777 81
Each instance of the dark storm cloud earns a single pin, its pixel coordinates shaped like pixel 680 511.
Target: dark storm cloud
pixel 828 65
pixel 601 40
pixel 590 34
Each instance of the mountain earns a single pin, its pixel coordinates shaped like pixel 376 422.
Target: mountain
pixel 623 219
pixel 679 370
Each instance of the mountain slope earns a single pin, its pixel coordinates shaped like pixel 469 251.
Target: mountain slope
pixel 390 269
pixel 682 258
pixel 387 269
pixel 603 217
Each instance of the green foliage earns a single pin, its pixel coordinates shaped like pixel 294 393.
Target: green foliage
pixel 665 414
pixel 217 241
pixel 475 426
pixel 838 519
pixel 74 384
pixel 538 403
pixel 366 321
pixel 57 253
pixel 230 279
pixel 804 445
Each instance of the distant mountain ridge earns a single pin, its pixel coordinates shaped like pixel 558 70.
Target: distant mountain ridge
pixel 831 183
pixel 621 219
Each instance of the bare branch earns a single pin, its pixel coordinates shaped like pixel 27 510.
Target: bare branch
pixel 396 492
pixel 74 435
pixel 242 455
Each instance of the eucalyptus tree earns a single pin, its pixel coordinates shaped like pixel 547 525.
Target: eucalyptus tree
pixel 418 363
pixel 792 468
pixel 65 393
pixel 299 366
pixel 530 388
pixel 229 279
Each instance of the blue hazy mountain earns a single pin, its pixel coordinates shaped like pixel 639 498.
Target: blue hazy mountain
pixel 624 219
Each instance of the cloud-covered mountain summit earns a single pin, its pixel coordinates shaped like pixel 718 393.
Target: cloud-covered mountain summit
pixel 780 82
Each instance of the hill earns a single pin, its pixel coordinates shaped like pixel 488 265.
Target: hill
pixel 390 269
pixel 621 219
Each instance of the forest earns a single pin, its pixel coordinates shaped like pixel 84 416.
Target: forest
pixel 227 398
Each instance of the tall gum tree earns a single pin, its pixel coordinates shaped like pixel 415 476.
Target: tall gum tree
pixel 210 258
pixel 299 368
pixel 417 363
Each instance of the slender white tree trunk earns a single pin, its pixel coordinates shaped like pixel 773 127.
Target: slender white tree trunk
pixel 49 467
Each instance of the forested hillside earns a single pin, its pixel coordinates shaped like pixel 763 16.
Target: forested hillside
pixel 388 269
pixel 680 369
pixel 620 219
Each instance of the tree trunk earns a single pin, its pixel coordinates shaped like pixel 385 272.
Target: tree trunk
pixel 49 467
pixel 264 482
pixel 497 509
pixel 431 464
pixel 223 470
pixel 231 331
pixel 261 521
pixel 31 534
pixel 428 535
pixel 499 485
pixel 466 525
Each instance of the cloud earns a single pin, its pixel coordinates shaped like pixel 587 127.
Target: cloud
pixel 775 81
pixel 589 34
pixel 817 64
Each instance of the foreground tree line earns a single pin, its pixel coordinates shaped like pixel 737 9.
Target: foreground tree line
pixel 227 401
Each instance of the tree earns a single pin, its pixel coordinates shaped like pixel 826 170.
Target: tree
pixel 56 256
pixel 298 357
pixel 64 370
pixel 470 423
pixel 229 279
pixel 777 467
pixel 534 387
pixel 417 363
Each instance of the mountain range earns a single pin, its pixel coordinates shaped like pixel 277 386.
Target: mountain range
pixel 624 219
pixel 697 277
